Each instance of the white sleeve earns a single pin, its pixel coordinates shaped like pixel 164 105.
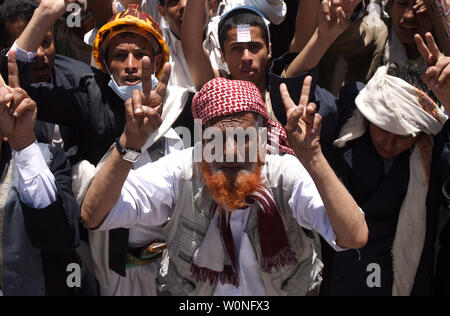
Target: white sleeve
pixel 23 55
pixel 309 210
pixel 148 195
pixel 37 187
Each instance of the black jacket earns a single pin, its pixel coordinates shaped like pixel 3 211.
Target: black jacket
pixel 39 245
pixel 380 195
pixel 83 102
pixel 66 73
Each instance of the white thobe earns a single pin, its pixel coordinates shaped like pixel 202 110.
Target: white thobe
pixel 150 195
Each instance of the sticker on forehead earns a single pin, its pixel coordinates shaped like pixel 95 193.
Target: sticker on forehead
pixel 243 33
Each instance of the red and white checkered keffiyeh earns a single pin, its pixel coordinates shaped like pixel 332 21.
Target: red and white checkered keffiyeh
pixel 222 97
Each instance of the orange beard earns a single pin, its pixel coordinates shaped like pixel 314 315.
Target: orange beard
pixel 230 191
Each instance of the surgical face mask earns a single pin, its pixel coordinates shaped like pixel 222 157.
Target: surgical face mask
pixel 126 92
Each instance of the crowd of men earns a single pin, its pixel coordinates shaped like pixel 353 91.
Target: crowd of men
pixel 180 147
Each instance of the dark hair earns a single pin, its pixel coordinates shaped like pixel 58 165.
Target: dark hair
pixel 241 17
pixel 13 11
pixel 412 77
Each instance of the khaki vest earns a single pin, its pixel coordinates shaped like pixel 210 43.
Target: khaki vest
pixel 190 221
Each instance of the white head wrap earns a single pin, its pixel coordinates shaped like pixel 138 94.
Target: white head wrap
pixel 398 107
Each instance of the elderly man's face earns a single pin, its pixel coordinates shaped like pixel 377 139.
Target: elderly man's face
pixel 230 182
pixel 389 145
pixel 124 58
pixel 233 150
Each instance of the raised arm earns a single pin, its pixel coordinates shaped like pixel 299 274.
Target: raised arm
pixel 17 110
pixel 56 104
pixel 48 12
pixel 437 76
pixel 194 19
pixel 439 13
pixel 143 117
pixel 50 211
pixel 303 129
pixel 333 21
pixel 305 24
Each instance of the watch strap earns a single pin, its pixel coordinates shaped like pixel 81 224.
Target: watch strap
pixel 124 151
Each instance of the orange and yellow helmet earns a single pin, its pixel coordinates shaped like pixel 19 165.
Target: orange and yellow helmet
pixel 134 21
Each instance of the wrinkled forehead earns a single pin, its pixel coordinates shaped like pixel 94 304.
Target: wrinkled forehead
pixel 241 119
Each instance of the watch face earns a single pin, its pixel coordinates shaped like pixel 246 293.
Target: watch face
pixel 131 156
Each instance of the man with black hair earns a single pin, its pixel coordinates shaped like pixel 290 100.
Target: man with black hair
pixel 247 57
pixel 14 16
pixel 169 14
pixel 246 52
pixel 244 39
pixel 48 67
pixel 95 104
pixel 39 215
pixel 388 142
pixel 13 12
pixel 133 56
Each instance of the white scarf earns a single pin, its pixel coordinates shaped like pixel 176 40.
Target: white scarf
pixel 215 260
pixel 398 107
pixel 395 52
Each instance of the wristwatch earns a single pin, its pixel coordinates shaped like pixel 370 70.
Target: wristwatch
pixel 130 155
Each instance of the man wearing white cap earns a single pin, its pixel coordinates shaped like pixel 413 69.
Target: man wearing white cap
pixel 388 143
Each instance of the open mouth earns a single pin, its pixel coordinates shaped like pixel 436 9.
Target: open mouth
pixel 40 67
pixel 248 71
pixel 409 28
pixel 132 80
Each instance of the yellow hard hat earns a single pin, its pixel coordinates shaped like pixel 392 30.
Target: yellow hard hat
pixel 135 21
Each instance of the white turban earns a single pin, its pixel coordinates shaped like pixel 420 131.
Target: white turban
pixel 398 107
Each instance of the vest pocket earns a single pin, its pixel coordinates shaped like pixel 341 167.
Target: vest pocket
pixel 187 239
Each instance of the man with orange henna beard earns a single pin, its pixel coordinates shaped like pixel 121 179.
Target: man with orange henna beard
pixel 230 190
pixel 243 205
